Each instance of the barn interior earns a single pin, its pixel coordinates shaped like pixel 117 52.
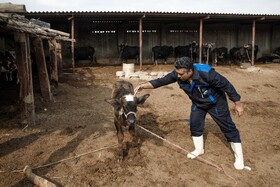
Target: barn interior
pixel 105 31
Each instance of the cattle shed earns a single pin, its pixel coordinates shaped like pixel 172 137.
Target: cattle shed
pixel 22 38
pixel 105 31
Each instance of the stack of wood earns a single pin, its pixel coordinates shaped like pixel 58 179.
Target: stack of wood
pixel 11 21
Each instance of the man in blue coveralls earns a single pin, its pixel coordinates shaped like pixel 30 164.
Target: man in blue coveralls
pixel 207 90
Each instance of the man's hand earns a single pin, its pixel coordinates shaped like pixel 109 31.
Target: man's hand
pixel 239 109
pixel 140 87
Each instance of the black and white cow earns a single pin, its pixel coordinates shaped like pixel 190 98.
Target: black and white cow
pixel 162 52
pixel 190 51
pixel 238 55
pixel 219 55
pixel 249 51
pixel 125 107
pixel 128 52
pixel 206 50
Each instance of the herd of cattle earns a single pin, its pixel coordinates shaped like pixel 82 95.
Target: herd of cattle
pixel 210 54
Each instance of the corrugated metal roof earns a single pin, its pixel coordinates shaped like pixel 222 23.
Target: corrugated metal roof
pixel 143 12
pixel 156 15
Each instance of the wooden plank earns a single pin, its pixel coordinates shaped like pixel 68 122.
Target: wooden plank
pixel 15 8
pixel 27 107
pixel 42 69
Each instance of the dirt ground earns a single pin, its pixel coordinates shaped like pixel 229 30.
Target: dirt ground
pixel 71 131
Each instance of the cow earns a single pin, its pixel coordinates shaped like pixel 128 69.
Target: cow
pixel 206 50
pixel 162 52
pixel 219 55
pixel 237 55
pixel 190 51
pixel 8 67
pixel 273 57
pixel 128 52
pixel 241 54
pixel 249 51
pixel 276 51
pixel 125 104
pixel 85 53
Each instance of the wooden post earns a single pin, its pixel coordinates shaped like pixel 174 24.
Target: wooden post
pixel 23 61
pixel 42 69
pixel 72 42
pixel 253 42
pixel 59 59
pixel 140 42
pixel 200 39
pixel 53 59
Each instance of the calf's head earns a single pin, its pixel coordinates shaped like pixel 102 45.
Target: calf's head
pixel 126 106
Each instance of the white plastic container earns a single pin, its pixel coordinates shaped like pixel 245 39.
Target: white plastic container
pixel 128 69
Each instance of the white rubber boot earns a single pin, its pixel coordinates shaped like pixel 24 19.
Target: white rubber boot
pixel 198 145
pixel 238 154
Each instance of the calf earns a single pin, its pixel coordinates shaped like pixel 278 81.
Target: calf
pixel 161 52
pixel 125 107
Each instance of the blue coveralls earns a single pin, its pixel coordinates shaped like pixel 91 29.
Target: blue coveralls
pixel 207 93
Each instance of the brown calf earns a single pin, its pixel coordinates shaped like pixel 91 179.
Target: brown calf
pixel 125 107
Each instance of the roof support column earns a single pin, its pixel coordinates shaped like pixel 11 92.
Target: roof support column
pixel 253 42
pixel 200 39
pixel 140 42
pixel 72 40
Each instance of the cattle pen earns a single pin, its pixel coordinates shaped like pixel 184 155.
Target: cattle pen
pixel 56 124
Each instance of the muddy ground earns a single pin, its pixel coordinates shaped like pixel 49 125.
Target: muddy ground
pixel 72 129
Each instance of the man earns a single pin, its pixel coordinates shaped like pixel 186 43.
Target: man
pixel 207 90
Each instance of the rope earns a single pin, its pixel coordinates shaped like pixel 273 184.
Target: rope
pixel 198 158
pixel 63 160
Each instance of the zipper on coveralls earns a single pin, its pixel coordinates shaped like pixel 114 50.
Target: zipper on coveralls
pixel 200 91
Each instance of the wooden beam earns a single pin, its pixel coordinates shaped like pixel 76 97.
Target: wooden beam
pixel 42 69
pixel 23 61
pixel 59 59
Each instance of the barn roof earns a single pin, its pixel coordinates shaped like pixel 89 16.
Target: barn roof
pixel 156 16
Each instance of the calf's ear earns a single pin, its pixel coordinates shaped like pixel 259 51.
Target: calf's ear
pixel 142 99
pixel 114 102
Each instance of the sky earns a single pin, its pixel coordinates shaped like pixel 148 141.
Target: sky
pixel 199 6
